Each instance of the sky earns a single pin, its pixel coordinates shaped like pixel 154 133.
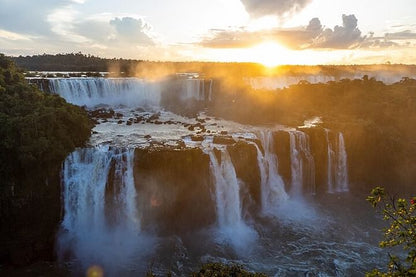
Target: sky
pixel 270 32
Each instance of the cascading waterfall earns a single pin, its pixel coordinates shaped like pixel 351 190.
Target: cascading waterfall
pixel 90 92
pixel 210 91
pixel 272 185
pixel 227 190
pixel 192 89
pixel 101 224
pixel 130 92
pixel 337 176
pixel 302 163
pixel 232 228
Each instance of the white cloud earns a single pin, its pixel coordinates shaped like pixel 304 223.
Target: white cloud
pixel 12 36
pixel 258 8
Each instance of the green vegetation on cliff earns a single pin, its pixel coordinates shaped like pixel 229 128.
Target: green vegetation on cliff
pixel 401 215
pixel 37 130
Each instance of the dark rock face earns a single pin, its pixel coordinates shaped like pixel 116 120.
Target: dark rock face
pixel 244 158
pixel 41 83
pixel 29 219
pixel 282 150
pixel 173 100
pixel 174 189
pixel 319 151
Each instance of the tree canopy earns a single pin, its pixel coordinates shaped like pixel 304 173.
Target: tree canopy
pixel 37 130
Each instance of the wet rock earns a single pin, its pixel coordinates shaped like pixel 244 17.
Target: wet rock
pixel 181 144
pixel 138 119
pixel 197 138
pixel 102 113
pixel 223 140
pixel 155 116
pixel 120 122
pixel 147 136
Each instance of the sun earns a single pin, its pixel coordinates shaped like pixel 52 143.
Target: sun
pixel 269 54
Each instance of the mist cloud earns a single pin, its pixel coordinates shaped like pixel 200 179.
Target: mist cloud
pixel 259 8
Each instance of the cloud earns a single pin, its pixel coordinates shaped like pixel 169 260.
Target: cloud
pixel 404 35
pixel 116 31
pixel 231 38
pixel 312 36
pixel 346 36
pixel 132 30
pixel 259 8
pixel 29 17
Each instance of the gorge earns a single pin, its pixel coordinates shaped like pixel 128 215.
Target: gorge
pixel 165 184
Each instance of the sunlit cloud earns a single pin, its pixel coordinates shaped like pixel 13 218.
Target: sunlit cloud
pixel 237 32
pixel 12 36
pixel 258 8
pixel 312 36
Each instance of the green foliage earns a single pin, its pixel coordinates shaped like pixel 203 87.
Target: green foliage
pixel 401 215
pixel 37 130
pixel 222 270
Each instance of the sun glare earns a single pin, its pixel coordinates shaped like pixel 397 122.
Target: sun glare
pixel 269 54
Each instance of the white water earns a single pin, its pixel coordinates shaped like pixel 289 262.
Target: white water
pixel 130 92
pixel 272 186
pixel 337 167
pixel 231 227
pixel 342 168
pixel 101 225
pixel 90 92
pixel 302 164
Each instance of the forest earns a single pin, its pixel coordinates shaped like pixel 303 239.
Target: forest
pixel 37 131
pixel 80 62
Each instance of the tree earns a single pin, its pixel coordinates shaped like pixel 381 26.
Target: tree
pixel 401 215
pixel 37 130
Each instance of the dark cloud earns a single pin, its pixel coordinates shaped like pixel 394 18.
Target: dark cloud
pixel 346 36
pixel 258 8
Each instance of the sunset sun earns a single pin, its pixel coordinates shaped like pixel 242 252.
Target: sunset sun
pixel 269 54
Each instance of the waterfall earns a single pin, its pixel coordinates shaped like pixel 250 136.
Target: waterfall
pixel 227 190
pixel 337 168
pixel 90 92
pixel 302 163
pixel 272 185
pixel 130 92
pixel 342 168
pixel 101 224
pixel 231 227
pixel 210 91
